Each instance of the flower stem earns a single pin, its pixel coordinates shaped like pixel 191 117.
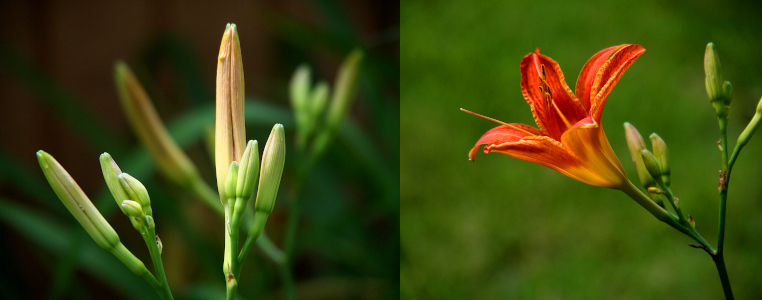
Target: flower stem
pixel 149 236
pixel 664 215
pixel 293 220
pixel 723 187
pixel 719 260
pixel 254 234
pixel 718 257
pixel 212 200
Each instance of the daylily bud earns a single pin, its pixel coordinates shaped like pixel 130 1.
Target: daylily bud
pixel 652 165
pixel 727 89
pixel 273 159
pixel 111 174
pixel 636 144
pixel 169 158
pixel 248 171
pixel 231 180
pixel 133 209
pixel 230 131
pixel 319 99
pixel 299 89
pixel 135 189
pixel 77 202
pixel 662 155
pixel 344 88
pixel 743 139
pixel 713 74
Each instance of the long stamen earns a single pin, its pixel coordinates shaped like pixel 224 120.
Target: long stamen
pixel 560 114
pixel 548 96
pixel 497 121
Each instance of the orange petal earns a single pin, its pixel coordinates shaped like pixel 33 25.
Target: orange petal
pixel 608 75
pixel 545 115
pixel 587 75
pixel 588 142
pixel 503 134
pixel 548 152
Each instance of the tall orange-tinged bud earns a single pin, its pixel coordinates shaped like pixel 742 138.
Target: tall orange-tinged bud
pixel 229 134
pixel 167 155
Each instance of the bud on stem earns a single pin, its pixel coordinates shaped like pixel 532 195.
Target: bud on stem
pixel 273 159
pixel 652 165
pixel 713 74
pixel 230 131
pixel 137 191
pixel 636 144
pixel 662 156
pixel 77 202
pixel 169 158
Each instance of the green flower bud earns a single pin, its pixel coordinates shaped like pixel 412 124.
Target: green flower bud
pixel 111 174
pixel 636 144
pixel 299 89
pixel 727 89
pixel 231 180
pixel 273 159
pixel 652 165
pixel 319 99
pixel 136 191
pixel 133 209
pixel 713 74
pixel 662 156
pixel 344 88
pixel 248 171
pixel 77 202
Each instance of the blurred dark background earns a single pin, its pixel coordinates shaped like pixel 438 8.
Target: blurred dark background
pixel 502 228
pixel 57 94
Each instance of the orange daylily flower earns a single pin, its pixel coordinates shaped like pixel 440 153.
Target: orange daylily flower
pixel 570 138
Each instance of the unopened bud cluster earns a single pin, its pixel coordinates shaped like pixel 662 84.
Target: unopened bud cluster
pixel 316 120
pixel 720 93
pixel 130 194
pixel 653 168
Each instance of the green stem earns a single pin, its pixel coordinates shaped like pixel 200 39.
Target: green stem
pixel 232 285
pixel 723 187
pixel 255 232
pixel 293 221
pixel 288 281
pixel 212 200
pixel 646 202
pixel 663 215
pixel 227 252
pixel 718 257
pixel 136 266
pixel 149 236
pixel 719 260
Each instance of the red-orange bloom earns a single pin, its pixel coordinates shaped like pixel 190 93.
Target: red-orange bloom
pixel 570 139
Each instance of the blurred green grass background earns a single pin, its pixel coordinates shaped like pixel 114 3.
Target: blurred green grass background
pixel 502 228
